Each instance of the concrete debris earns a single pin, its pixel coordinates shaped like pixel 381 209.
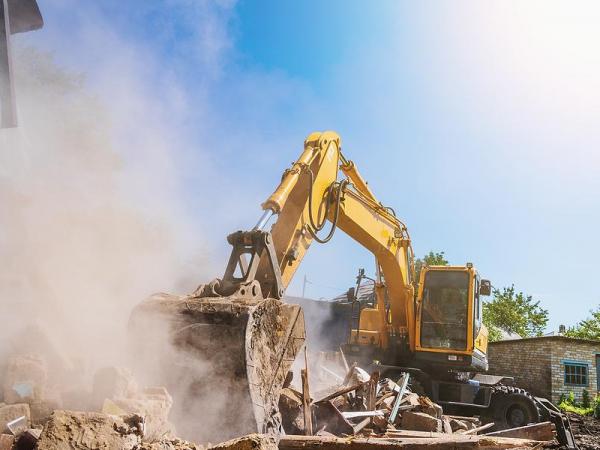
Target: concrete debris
pixel 364 411
pixel 6 441
pixel 169 444
pixel 25 379
pixel 154 404
pixel 41 411
pixel 446 442
pixel 10 413
pixel 88 430
pixel 420 421
pixel 249 442
pixel 428 407
pixel 457 425
pixel 372 411
pixel 290 407
pixel 359 376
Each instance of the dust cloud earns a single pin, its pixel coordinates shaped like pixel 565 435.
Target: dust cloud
pixel 92 221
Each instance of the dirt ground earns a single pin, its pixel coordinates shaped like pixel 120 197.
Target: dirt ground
pixel 586 431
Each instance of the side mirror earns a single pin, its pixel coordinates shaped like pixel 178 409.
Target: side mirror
pixel 351 294
pixel 485 288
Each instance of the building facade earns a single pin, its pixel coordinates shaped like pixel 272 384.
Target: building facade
pixel 549 366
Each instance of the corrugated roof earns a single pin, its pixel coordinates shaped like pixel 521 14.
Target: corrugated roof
pixel 365 293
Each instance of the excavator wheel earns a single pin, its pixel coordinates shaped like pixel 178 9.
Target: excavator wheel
pixel 513 407
pixel 226 355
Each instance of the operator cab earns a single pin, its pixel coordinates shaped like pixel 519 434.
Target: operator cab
pixel 449 329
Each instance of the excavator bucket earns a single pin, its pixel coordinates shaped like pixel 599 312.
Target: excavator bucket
pixel 16 16
pixel 240 347
pixel 233 337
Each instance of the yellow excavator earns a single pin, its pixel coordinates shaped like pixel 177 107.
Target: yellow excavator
pixel 243 331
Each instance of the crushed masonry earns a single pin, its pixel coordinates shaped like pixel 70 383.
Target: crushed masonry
pixel 348 410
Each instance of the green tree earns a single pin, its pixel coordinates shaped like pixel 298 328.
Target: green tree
pixel 514 313
pixel 588 328
pixel 430 259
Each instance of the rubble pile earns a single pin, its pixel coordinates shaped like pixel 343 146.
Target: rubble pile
pixel 358 410
pixel 379 411
pixel 115 414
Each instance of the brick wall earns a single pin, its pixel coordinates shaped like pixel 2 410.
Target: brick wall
pixel 528 361
pixel 573 350
pixel 537 364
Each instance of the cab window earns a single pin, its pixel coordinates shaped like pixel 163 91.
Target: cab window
pixel 444 314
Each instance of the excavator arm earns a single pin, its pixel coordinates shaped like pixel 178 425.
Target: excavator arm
pixel 311 192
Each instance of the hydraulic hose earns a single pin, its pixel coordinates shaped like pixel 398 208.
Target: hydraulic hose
pixel 332 191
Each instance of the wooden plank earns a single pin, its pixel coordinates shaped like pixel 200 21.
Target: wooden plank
pixel 372 393
pixel 447 442
pixel 467 418
pixel 328 418
pixel 341 392
pixel 308 429
pixel 344 360
pixel 478 429
pixel 415 434
pixel 539 431
pixel 357 414
pixel 306 401
pixel 349 374
pixel 383 397
pixel 360 425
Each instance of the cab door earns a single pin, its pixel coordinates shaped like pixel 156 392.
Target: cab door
pixel 480 335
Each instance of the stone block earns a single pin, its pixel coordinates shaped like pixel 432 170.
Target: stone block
pixel 25 379
pixel 155 412
pixel 6 441
pixel 410 399
pixel 431 408
pixel 290 406
pixel 69 429
pixel 249 442
pixel 457 425
pixel 41 411
pixel 9 413
pixel 419 421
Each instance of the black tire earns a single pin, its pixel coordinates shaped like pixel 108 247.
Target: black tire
pixel 512 408
pixel 519 410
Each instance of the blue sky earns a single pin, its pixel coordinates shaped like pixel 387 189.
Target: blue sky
pixel 477 122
